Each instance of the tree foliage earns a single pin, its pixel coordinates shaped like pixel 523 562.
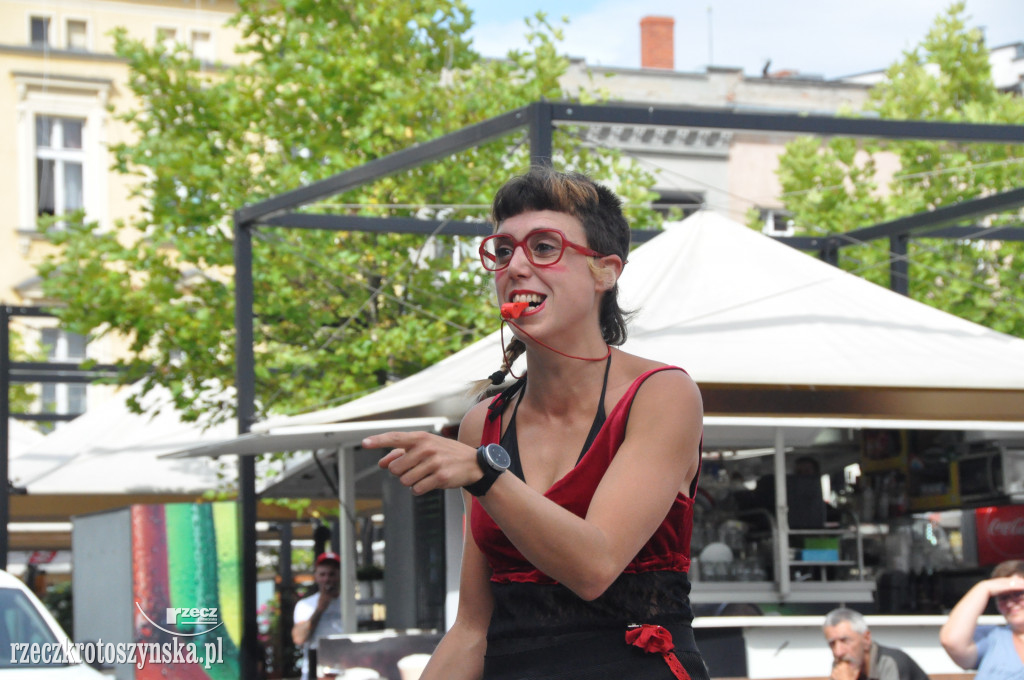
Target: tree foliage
pixel 322 86
pixel 22 396
pixel 837 186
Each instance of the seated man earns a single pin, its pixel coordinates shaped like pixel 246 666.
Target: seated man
pixel 856 657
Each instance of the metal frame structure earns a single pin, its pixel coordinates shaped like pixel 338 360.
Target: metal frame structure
pixel 936 224
pixel 29 372
pixel 540 120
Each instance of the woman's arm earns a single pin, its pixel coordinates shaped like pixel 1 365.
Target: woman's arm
pixel 460 654
pixel 957 634
pixel 658 458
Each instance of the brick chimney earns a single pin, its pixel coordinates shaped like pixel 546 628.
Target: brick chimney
pixel 657 49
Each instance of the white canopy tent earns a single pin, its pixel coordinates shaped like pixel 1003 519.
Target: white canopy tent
pixel 766 331
pixel 112 450
pixel 22 437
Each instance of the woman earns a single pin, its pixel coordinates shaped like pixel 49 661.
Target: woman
pixel 996 652
pixel 575 566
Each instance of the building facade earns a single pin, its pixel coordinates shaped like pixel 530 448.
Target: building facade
pixel 61 88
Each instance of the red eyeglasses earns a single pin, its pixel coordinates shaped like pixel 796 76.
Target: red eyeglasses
pixel 543 247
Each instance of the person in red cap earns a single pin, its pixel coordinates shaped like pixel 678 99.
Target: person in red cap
pixel 318 615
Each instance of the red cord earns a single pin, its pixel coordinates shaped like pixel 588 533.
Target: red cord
pixel 542 344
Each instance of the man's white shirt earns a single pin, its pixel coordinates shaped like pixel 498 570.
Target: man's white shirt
pixel 329 624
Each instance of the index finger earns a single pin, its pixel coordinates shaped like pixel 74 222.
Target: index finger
pixel 390 440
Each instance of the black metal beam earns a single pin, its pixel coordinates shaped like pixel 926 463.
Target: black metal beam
pixel 727 119
pixel 940 217
pixel 380 225
pixel 245 386
pixel 933 224
pixel 976 233
pixel 5 435
pixel 541 115
pixel 56 379
pixel 14 310
pixel 446 145
pixel 65 366
pixel 45 417
pixel 899 267
pixel 542 131
pixel 401 225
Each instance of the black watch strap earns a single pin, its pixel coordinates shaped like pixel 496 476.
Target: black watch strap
pixel 483 485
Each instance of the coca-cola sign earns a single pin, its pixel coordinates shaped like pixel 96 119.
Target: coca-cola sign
pixel 1000 533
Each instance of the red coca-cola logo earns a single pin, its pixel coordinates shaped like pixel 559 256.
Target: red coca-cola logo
pixel 1000 534
pixel 1012 528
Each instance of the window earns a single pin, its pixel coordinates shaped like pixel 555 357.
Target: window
pixel 686 202
pixel 59 162
pixel 61 158
pixel 777 222
pixel 64 397
pixel 39 31
pixel 202 46
pixel 76 38
pixel 22 623
pixel 167 36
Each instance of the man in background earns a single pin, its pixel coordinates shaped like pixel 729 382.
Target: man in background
pixel 856 657
pixel 318 615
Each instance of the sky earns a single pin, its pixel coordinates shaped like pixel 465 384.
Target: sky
pixel 829 38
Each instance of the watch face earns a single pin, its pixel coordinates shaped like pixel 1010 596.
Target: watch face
pixel 497 457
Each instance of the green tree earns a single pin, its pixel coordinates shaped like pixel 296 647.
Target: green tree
pixel 836 186
pixel 324 86
pixel 22 396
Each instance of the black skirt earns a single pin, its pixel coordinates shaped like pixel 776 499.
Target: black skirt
pixel 591 655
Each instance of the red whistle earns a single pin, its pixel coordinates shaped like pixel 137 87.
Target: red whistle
pixel 513 310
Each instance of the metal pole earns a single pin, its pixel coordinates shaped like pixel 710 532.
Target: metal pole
pixel 245 384
pixel 285 593
pixel 5 434
pixel 829 254
pixel 346 545
pixel 899 266
pixel 781 515
pixel 541 132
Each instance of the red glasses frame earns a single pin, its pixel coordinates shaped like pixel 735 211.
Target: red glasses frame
pixel 491 262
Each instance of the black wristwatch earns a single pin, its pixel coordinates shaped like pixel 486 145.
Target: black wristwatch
pixel 493 460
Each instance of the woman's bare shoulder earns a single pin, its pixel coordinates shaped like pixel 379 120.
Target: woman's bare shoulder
pixel 636 366
pixel 472 427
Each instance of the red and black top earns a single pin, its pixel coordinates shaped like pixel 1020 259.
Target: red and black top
pixel 530 605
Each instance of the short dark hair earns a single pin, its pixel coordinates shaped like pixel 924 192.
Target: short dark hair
pixel 1008 568
pixel 597 208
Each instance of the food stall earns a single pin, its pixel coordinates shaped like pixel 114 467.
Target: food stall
pixel 893 519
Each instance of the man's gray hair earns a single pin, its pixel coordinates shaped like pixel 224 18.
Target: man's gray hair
pixel 855 618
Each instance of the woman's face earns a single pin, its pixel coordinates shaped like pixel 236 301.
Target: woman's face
pixel 559 295
pixel 1011 605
